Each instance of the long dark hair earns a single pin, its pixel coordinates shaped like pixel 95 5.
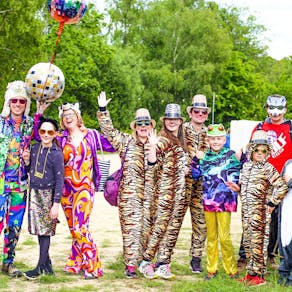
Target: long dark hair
pixel 179 140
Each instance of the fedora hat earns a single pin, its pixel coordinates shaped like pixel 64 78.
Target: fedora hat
pixel 199 101
pixel 172 111
pixel 259 137
pixel 142 114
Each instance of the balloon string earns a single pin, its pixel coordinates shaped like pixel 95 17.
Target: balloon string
pixel 59 32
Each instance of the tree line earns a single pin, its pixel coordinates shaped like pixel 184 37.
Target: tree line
pixel 147 54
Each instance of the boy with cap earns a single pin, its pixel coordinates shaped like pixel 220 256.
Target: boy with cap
pixel 219 165
pixel 262 188
pixel 16 128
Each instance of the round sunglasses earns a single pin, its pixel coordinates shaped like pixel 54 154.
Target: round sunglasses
pixel 262 151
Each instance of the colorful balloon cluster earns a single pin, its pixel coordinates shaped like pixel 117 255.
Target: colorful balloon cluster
pixel 67 11
pixel 45 82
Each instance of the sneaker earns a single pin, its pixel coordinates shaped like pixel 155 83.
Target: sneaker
pixel 256 281
pixel 234 276
pixel 241 264
pixel 146 268
pixel 163 271
pixel 246 279
pixel 11 270
pixel 89 276
pixel 130 272
pixel 33 274
pixel 210 276
pixel 282 280
pixel 288 283
pixel 272 262
pixel 195 265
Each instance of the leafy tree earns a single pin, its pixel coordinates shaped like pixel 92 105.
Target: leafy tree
pixel 21 38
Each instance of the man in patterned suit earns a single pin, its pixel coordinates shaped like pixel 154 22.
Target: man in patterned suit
pixel 195 140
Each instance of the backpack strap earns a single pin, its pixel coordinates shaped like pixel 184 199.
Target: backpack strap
pixel 259 126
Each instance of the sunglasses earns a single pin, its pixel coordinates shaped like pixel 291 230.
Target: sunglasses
pixel 143 123
pixel 280 107
pixel 49 132
pixel 220 128
pixel 15 100
pixel 263 151
pixel 68 116
pixel 203 112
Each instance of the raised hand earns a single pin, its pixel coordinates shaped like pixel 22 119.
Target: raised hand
pixel 102 101
pixel 42 106
pixel 152 138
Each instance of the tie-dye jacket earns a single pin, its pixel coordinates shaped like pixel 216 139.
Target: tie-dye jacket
pixel 6 136
pixel 217 169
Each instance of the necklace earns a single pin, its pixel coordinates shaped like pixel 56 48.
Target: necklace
pixel 36 172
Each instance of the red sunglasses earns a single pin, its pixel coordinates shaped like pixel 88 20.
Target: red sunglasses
pixel 15 100
pixel 203 112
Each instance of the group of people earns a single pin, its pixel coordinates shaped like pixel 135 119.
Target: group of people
pixel 186 165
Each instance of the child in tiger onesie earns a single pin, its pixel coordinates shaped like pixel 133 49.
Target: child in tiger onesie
pixel 261 188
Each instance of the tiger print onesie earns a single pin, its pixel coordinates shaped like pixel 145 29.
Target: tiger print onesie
pixel 132 189
pixel 169 206
pixel 195 141
pixel 260 183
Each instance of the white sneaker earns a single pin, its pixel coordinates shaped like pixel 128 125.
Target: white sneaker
pixel 163 271
pixel 146 268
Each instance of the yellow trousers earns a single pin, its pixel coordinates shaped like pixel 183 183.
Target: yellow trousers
pixel 218 230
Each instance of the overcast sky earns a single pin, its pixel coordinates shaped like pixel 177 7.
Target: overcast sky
pixel 275 15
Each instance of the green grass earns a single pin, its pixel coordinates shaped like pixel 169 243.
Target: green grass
pixel 29 241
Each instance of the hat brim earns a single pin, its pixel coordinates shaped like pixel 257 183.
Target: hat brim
pixel 133 124
pixel 163 118
pixel 189 108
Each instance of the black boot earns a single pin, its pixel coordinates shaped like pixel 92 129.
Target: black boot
pixel 48 269
pixel 33 274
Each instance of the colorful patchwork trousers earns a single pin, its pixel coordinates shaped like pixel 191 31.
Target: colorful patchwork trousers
pixel 12 209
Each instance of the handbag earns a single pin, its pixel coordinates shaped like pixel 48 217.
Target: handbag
pixel 112 184
pixel 104 167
